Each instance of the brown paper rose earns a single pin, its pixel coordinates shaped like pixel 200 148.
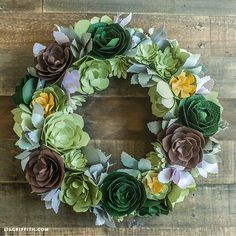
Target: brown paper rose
pixel 44 170
pixel 183 146
pixel 53 61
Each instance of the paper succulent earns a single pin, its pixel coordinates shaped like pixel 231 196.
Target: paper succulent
pixel 24 90
pixel 200 114
pixel 64 132
pixel 154 208
pixel 154 189
pixel 184 85
pixel 162 99
pixel 51 98
pixel 122 194
pixel 94 76
pixel 44 171
pixel 79 191
pixel 108 40
pixel 28 125
pixel 167 62
pixel 146 52
pixel 75 160
pixel 119 65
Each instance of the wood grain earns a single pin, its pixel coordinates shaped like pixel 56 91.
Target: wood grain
pixel 185 7
pixel 7 6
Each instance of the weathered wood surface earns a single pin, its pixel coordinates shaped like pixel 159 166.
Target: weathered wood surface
pixel 116 118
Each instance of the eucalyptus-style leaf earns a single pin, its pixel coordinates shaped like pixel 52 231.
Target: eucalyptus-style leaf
pixel 81 27
pixel 60 37
pixel 129 161
pixel 154 127
pixel 144 165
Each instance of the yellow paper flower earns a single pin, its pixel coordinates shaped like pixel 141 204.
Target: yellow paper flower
pixel 184 85
pixel 47 101
pixel 154 185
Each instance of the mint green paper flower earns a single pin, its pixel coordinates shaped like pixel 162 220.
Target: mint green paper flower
pixel 79 191
pixel 63 132
pixel 119 65
pixel 168 62
pixel 94 76
pixel 162 99
pixel 75 160
pixel 146 53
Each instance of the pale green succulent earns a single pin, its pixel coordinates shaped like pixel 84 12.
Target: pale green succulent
pixel 75 160
pixel 79 191
pixel 154 189
pixel 168 62
pixel 146 53
pixel 162 99
pixel 157 157
pixel 64 132
pixel 94 76
pixel 119 65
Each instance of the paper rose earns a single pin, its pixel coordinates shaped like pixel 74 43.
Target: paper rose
pixel 24 90
pixel 184 85
pixel 162 98
pixel 153 207
pixel 79 191
pixel 52 62
pixel 51 98
pixel 64 132
pixel 183 146
pixel 108 40
pixel 44 170
pixel 200 114
pixel 75 160
pixel 94 76
pixel 122 194
pixel 154 189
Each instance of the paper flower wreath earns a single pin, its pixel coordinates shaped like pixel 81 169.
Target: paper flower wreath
pixel 59 163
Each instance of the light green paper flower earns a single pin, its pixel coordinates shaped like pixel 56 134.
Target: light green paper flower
pixel 75 160
pixel 119 65
pixel 63 132
pixel 79 191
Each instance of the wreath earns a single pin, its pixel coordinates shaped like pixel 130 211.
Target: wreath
pixel 58 161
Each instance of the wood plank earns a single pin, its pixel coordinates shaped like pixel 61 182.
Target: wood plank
pixel 218 52
pixel 186 7
pixel 10 170
pixel 7 6
pixel 205 207
pixel 116 118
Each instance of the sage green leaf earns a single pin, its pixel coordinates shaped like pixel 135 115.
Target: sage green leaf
pixel 144 165
pixel 81 27
pixel 129 161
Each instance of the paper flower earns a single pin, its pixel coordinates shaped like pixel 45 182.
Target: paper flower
pixel 167 62
pixel 122 194
pixel 94 75
pixel 177 175
pixel 71 81
pixel 119 65
pixel 184 85
pixel 146 53
pixel 162 98
pixel 79 191
pixel 153 208
pixel 64 132
pixel 108 40
pixel 24 90
pixel 183 146
pixel 75 160
pixel 51 98
pixel 52 62
pixel 200 114
pixel 44 170
pixel 154 189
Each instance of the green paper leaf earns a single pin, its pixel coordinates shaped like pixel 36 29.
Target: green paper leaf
pixel 81 27
pixel 106 19
pixel 129 161
pixel 154 127
pixel 144 165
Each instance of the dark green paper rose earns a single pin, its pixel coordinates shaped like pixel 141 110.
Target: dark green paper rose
pixel 24 90
pixel 108 40
pixel 122 194
pixel 152 208
pixel 200 114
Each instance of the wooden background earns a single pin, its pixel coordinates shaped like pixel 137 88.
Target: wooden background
pixel 116 118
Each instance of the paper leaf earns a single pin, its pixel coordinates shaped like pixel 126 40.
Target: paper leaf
pixel 191 61
pixel 24 162
pixel 106 19
pixel 136 68
pixel 125 21
pixel 134 173
pixel 38 116
pixel 35 135
pixel 144 165
pixel 23 155
pixel 91 155
pixel 81 27
pixel 37 49
pixel 23 143
pixel 129 161
pixel 60 37
pixel 154 127
pixel 134 79
pixel 102 156
pixel 164 89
